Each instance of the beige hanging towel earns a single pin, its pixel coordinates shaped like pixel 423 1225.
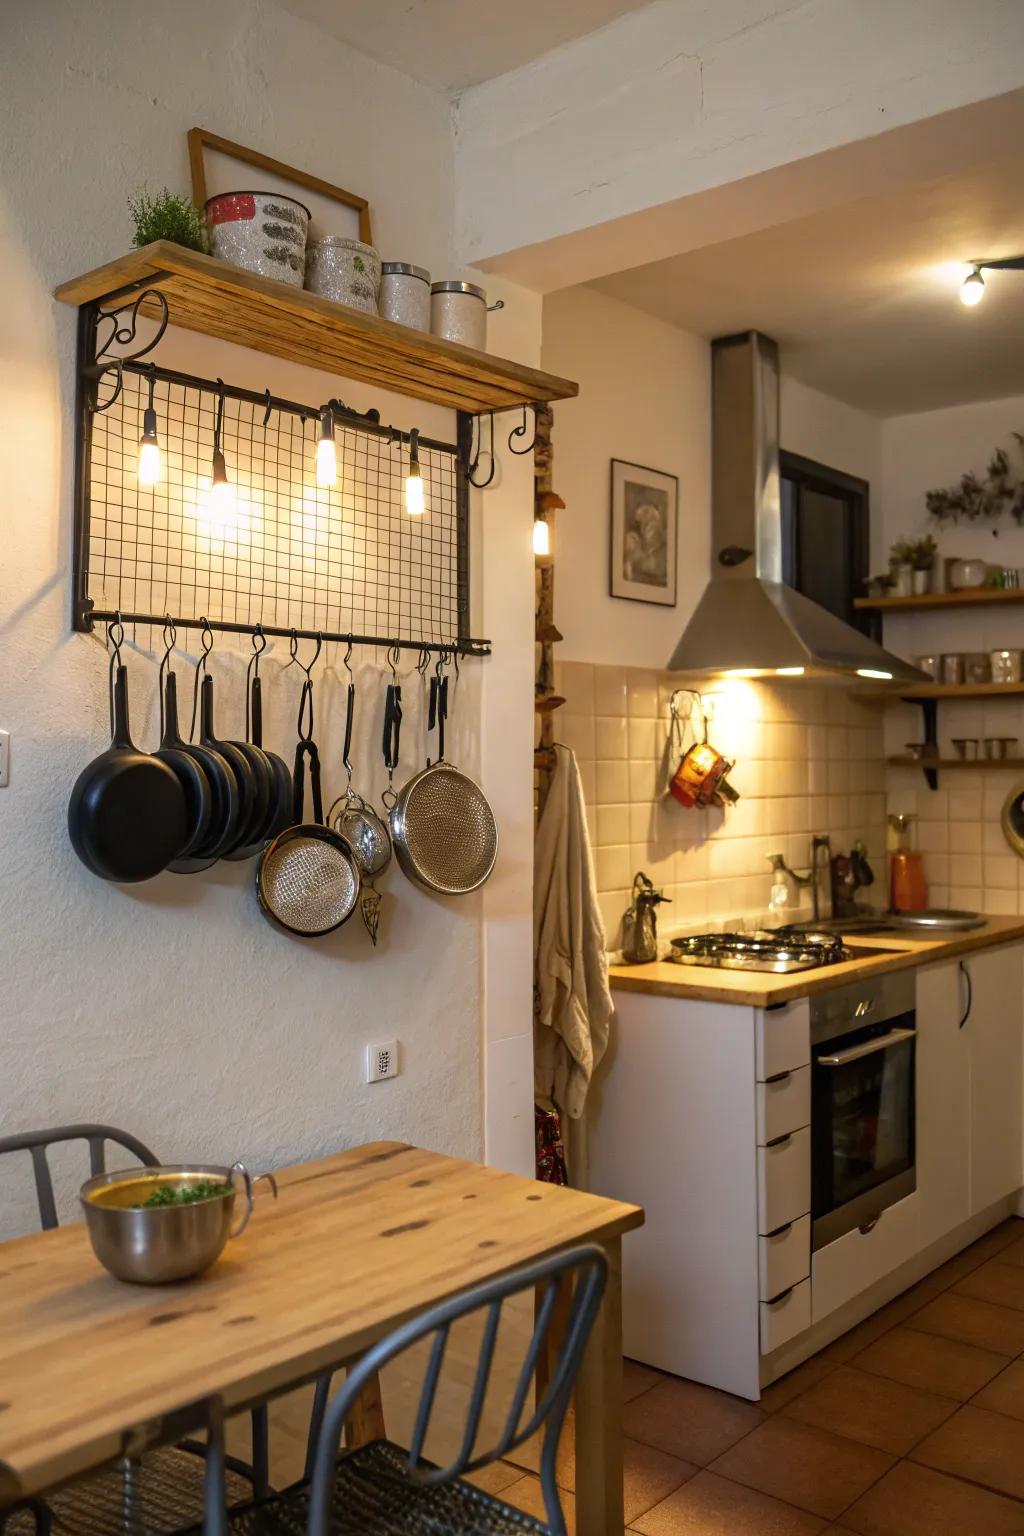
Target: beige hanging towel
pixel 572 1000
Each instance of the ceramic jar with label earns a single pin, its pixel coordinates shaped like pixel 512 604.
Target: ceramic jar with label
pixel 345 270
pixel 405 295
pixel 263 232
pixel 458 312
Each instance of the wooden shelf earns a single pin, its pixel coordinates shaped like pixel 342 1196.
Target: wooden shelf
pixel 210 296
pixel 944 763
pixel 890 691
pixel 973 597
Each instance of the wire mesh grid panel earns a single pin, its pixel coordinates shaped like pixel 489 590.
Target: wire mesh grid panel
pixel 271 546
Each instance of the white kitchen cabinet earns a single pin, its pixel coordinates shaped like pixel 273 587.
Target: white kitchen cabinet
pixel 991 984
pixel 943 1102
pixel 855 1261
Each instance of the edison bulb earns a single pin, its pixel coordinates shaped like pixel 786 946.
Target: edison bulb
pixel 149 461
pixel 972 289
pixel 326 462
pixel 415 503
pixel 541 537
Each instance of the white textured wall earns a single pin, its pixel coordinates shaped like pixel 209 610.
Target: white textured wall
pixel 643 397
pixel 173 1007
pixel 684 95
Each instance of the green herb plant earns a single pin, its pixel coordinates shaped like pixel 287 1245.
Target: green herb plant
pixel 168 217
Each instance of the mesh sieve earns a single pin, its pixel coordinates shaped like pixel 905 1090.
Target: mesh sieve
pixel 308 882
pixel 363 829
pixel 448 834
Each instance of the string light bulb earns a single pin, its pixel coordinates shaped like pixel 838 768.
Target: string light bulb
pixel 541 536
pixel 326 455
pixel 415 503
pixel 150 468
pixel 972 289
pixel 222 492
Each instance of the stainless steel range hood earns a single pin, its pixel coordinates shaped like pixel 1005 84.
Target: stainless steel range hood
pixel 747 622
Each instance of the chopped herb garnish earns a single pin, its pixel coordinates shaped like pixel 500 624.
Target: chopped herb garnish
pixel 185 1194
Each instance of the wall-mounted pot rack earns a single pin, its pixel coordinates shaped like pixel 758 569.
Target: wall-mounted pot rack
pixel 131 541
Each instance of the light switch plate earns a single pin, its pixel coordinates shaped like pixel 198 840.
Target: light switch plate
pixel 381 1061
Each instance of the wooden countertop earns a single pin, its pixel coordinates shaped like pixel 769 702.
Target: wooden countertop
pixel 883 952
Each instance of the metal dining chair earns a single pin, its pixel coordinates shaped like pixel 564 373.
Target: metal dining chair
pixel 161 1489
pixel 381 1489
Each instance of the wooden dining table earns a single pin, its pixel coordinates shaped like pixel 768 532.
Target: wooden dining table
pixel 92 1369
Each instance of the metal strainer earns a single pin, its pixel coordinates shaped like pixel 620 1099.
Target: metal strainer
pixel 441 824
pixel 307 879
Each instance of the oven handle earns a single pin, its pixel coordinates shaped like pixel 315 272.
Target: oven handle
pixel 868 1048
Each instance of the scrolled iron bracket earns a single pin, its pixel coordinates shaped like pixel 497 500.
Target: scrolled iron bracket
pixel 123 334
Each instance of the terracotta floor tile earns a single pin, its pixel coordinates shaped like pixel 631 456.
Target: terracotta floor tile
pixel 982 1447
pixel 637 1378
pixel 1005 1394
pixel 714 1506
pixel 895 1312
pixel 1014 1254
pixel 915 1501
pixel 804 1466
pixel 687 1420
pixel 794 1382
pixel 974 1322
pixel 1001 1284
pixel 935 1364
pixel 495 1478
pixel 526 1495
pixel 648 1475
pixel 871 1409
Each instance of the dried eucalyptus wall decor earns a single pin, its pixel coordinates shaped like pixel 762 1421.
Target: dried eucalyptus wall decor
pixel 973 497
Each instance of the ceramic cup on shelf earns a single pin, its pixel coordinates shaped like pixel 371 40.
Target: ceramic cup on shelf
pixel 951 667
pixel 263 232
pixel 921 580
pixel 967 574
pixel 345 270
pixel 977 667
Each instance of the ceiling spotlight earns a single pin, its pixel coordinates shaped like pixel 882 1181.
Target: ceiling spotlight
pixel 972 289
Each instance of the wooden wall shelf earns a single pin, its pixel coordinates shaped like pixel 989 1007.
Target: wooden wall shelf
pixel 975 597
pixel 210 296
pixel 920 691
pixel 984 763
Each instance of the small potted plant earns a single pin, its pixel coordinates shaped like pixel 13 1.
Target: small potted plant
pixel 168 217
pixel 901 568
pixel 922 561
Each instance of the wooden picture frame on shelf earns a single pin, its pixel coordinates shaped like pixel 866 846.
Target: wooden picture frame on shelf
pixel 201 139
pixel 642 545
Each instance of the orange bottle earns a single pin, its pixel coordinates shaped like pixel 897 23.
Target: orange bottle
pixel 908 890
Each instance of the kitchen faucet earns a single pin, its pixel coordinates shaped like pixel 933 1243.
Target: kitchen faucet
pixel 818 841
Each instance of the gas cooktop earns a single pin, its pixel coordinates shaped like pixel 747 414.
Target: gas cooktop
pixel 779 950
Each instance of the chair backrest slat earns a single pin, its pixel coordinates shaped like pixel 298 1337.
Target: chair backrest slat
pixel 37 1142
pixel 585 1269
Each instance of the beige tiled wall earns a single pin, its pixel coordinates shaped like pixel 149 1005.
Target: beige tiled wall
pixel 808 759
pixel 967 861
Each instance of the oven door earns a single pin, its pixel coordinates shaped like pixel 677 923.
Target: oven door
pixel 862 1125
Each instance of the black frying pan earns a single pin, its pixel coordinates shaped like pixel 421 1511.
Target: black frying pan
pixel 266 778
pixel 225 813
pixel 188 770
pixel 253 794
pixel 281 799
pixel 126 816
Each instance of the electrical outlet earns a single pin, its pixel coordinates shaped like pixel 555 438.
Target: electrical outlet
pixel 5 759
pixel 381 1061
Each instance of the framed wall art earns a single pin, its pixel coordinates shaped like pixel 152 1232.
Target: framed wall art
pixel 643 534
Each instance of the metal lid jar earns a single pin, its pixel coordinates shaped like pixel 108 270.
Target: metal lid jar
pixel 405 294
pixel 458 312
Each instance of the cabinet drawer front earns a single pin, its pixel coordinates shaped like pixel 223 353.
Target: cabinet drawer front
pixel 784 1258
pixel 854 1262
pixel 784 1319
pixel 783 1037
pixel 783 1181
pixel 783 1105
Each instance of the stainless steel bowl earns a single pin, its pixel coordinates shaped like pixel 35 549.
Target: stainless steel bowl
pixel 158 1244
